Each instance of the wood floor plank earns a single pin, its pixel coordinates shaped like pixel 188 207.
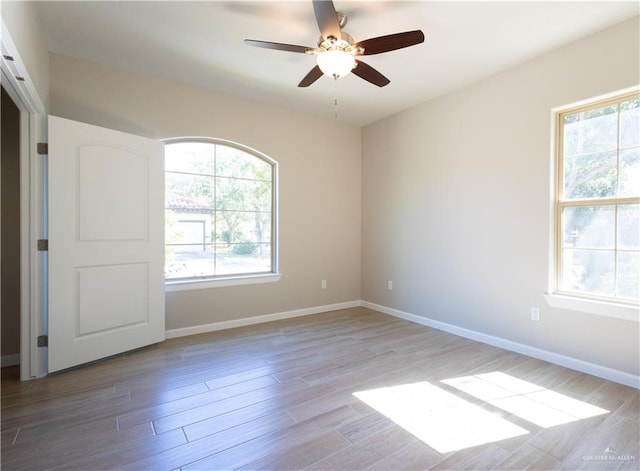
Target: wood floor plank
pixel 240 445
pixel 201 449
pixel 325 362
pixel 528 458
pixel 146 394
pixel 364 453
pixel 269 446
pixel 217 399
pixel 76 443
pixel 318 404
pixel 413 457
pixel 615 444
pixel 562 440
pixel 8 437
pixel 262 413
pixel 476 458
pixel 280 396
pixel 129 451
pixel 57 406
pixel 298 455
pixel 206 411
pixel 365 426
pixel 52 424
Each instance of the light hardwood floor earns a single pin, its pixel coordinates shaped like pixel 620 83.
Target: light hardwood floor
pixel 280 396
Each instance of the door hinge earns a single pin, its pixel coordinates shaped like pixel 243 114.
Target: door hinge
pixel 43 245
pixel 43 148
pixel 43 340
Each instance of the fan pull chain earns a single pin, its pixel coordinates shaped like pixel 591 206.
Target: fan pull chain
pixel 335 97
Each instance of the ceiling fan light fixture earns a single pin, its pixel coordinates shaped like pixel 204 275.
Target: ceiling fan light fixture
pixel 336 52
pixel 336 63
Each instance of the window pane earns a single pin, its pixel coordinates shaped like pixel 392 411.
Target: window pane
pixel 254 229
pixel 262 227
pixel 588 271
pixel 183 228
pixel 235 227
pixel 629 226
pixel 242 195
pixel 219 210
pixel 243 258
pixel 180 262
pixel 590 176
pixel 229 226
pixel 630 123
pixel 191 157
pixel 232 162
pixel 629 172
pixel 600 163
pixel 185 193
pixel 629 274
pixel 588 227
pixel 591 131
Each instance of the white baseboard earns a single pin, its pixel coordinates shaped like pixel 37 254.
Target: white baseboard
pixel 552 357
pixel 10 360
pixel 555 358
pixel 201 329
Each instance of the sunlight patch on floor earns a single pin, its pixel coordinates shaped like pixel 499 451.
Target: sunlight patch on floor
pixel 533 403
pixel 448 422
pixel 442 420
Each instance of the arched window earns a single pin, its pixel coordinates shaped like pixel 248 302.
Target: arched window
pixel 221 211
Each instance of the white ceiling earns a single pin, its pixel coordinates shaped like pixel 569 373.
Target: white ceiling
pixel 201 43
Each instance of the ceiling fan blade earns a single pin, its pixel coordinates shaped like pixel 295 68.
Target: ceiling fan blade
pixel 327 18
pixel 276 46
pixel 368 73
pixel 391 42
pixel 313 75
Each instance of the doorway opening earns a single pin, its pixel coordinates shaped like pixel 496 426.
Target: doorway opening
pixel 10 249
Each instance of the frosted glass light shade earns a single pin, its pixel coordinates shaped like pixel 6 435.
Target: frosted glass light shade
pixel 336 63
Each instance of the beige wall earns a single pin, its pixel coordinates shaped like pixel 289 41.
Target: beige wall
pixel 455 192
pixel 456 203
pixel 319 166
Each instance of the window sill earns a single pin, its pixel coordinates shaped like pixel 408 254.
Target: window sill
pixel 187 285
pixel 626 312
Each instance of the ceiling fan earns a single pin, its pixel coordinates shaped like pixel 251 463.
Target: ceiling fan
pixel 336 52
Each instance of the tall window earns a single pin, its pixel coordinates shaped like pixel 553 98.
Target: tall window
pixel 597 200
pixel 220 215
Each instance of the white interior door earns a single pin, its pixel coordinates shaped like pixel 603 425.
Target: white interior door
pixel 106 243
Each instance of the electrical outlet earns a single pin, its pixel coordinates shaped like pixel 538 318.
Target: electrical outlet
pixel 390 284
pixel 323 284
pixel 535 314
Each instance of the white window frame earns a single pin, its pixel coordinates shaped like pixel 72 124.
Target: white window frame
pixel 186 284
pixel 555 297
